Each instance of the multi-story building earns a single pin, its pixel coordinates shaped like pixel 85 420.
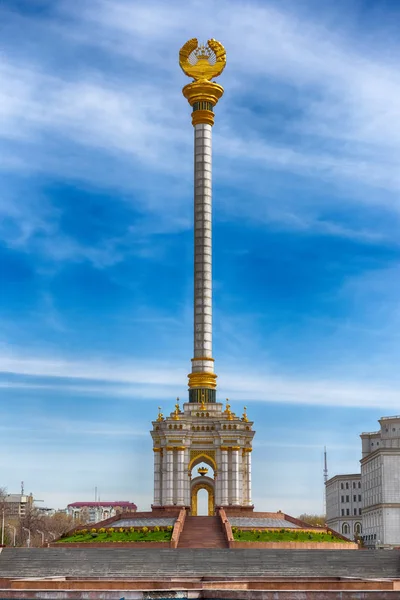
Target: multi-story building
pixel 380 481
pixel 343 504
pixel 17 505
pixel 93 512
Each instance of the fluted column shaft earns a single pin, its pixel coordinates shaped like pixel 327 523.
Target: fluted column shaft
pixel 157 477
pixel 248 476
pixel 224 475
pixel 180 477
pixel 235 476
pixel 169 496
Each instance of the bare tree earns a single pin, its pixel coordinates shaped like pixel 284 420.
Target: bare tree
pixel 319 520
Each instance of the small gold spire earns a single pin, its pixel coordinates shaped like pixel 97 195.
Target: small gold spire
pixel 228 410
pixel 244 416
pixel 203 406
pixel 160 415
pixel 177 411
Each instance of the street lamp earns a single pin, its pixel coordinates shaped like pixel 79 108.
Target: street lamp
pixel 42 534
pixel 28 542
pixel 15 532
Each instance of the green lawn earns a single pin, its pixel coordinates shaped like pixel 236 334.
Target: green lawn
pixel 283 535
pixel 117 536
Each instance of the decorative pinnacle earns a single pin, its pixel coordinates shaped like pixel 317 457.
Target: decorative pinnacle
pixel 160 415
pixel 203 63
pixel 176 411
pixel 244 416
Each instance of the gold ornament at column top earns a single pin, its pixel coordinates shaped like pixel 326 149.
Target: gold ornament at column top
pixel 203 63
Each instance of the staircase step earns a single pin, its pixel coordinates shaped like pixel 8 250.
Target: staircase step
pixel 202 532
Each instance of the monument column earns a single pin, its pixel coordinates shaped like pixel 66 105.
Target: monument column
pixel 202 63
pixel 224 475
pixel 169 497
pixel 180 476
pixel 157 477
pixel 248 477
pixel 235 475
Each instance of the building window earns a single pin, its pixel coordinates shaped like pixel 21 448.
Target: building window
pixel 342 498
pixel 359 484
pixel 347 511
pixel 355 512
pixel 357 528
pixel 341 486
pixel 354 498
pixel 354 484
pixel 345 529
pixel 347 498
pixel 342 512
pixel 359 511
pixel 359 497
pixel 347 485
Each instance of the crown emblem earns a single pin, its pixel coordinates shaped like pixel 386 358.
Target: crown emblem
pixel 203 62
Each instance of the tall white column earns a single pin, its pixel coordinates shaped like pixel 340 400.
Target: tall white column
pixel 202 381
pixel 187 477
pixel 157 477
pixel 235 475
pixel 248 482
pixel 224 477
pixel 169 495
pixel 180 500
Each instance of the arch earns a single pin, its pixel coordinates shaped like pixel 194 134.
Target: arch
pixel 345 529
pixel 357 528
pixel 202 457
pixel 202 483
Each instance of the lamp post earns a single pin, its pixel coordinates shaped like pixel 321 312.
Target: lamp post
pixel 15 532
pixel 28 541
pixel 42 534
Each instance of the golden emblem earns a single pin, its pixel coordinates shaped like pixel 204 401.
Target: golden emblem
pixel 202 62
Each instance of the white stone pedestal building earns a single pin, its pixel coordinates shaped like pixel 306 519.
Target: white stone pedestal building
pixel 204 432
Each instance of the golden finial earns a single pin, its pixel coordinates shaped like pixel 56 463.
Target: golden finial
pixel 244 416
pixel 160 415
pixel 203 406
pixel 228 410
pixel 177 411
pixel 202 62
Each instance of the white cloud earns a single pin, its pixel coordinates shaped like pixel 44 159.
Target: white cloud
pixel 158 380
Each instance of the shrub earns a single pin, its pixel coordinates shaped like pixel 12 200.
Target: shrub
pixel 121 530
pixel 84 531
pixel 93 530
pixel 234 529
pixel 253 531
pixel 169 528
pixel 102 530
pixel 132 529
pixel 111 530
pixel 156 528
pixel 145 530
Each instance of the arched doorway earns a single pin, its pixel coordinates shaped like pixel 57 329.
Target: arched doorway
pixel 202 483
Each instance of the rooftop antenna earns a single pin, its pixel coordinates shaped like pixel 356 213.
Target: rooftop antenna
pixel 325 466
pixel 22 488
pixel 95 494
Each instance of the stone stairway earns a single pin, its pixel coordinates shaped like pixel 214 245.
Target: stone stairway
pixel 197 562
pixel 202 532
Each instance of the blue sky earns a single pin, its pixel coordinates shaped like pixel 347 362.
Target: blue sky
pixel 96 239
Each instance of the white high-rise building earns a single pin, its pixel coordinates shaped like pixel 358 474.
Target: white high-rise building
pixel 343 504
pixel 380 483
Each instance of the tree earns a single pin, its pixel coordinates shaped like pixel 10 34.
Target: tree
pixel 315 520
